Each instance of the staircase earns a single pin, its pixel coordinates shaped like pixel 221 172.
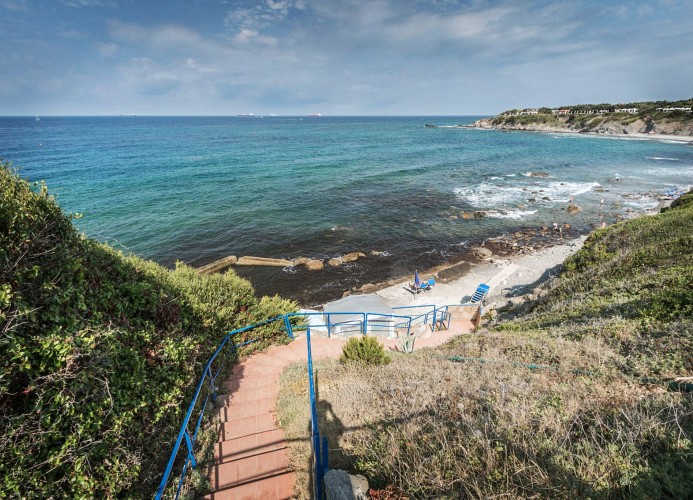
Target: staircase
pixel 251 458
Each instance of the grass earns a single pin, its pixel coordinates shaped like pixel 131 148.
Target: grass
pixel 584 426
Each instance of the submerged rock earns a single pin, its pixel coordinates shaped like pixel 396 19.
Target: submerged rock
pixel 218 265
pixel 572 208
pixel 538 174
pixel 300 261
pixel 353 256
pixel 334 262
pixel 314 265
pixel 263 261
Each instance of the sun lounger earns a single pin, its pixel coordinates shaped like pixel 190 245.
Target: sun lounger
pixel 479 294
pixel 411 287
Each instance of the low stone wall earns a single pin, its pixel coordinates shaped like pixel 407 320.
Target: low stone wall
pixel 470 313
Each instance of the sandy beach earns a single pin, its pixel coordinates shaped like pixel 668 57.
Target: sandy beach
pixel 508 276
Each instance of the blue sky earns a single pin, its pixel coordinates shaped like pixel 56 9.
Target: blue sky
pixel 338 57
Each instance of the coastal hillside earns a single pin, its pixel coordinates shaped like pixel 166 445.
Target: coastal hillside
pixel 584 392
pixel 99 352
pixel 653 118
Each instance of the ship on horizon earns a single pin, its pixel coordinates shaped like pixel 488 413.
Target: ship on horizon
pixel 314 114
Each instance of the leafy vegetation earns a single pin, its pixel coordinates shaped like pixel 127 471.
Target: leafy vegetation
pixel 99 352
pixel 568 400
pixel 590 116
pixel 364 351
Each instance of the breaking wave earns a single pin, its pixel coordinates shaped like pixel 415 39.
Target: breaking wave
pixel 490 195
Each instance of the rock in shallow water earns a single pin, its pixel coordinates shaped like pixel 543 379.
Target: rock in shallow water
pixel 314 265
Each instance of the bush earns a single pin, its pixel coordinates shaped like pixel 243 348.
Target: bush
pixel 99 352
pixel 364 350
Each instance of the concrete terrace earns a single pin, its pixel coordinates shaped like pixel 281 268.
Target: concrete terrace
pixel 251 456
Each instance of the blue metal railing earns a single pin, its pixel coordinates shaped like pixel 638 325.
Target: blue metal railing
pixel 357 322
pixel 318 444
pixel 207 373
pixel 366 322
pixel 422 318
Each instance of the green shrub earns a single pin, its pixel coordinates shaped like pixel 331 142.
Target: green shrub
pixel 364 350
pixel 99 352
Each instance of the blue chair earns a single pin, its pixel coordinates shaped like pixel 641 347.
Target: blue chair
pixel 479 294
pixel 431 282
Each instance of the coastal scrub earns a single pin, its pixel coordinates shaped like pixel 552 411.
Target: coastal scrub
pixel 575 398
pixel 99 352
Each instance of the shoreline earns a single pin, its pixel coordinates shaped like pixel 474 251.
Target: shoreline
pixel 513 274
pixel 494 251
pixel 517 274
pixel 683 139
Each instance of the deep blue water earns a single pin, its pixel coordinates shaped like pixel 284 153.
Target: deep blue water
pixel 199 188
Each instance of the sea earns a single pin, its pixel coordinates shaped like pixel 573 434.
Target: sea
pixel 196 189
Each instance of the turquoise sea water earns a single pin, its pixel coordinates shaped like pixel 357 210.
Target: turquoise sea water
pixel 199 188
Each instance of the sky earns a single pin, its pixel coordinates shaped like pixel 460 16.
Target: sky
pixel 338 57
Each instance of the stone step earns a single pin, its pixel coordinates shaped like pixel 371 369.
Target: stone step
pixel 246 446
pixel 244 409
pixel 240 427
pixel 280 487
pixel 252 469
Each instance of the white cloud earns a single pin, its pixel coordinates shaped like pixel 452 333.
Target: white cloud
pixel 90 3
pixel 191 63
pixel 14 5
pixel 166 36
pixel 107 50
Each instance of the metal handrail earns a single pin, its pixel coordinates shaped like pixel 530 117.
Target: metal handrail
pixel 362 323
pixel 321 455
pixel 318 445
pixel 184 434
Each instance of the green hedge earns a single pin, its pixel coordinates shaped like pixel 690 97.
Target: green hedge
pixel 99 352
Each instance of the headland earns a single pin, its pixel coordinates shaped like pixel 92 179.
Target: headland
pixel 655 120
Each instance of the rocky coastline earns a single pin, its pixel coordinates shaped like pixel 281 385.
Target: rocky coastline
pixel 494 251
pixel 598 126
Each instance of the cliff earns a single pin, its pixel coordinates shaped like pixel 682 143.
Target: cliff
pixel 589 123
pixel 651 118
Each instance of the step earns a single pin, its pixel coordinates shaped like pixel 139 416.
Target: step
pixel 253 444
pixel 280 487
pixel 238 410
pixel 246 426
pixel 249 469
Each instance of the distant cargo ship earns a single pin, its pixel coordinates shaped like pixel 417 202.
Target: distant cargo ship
pixel 315 114
pixel 246 114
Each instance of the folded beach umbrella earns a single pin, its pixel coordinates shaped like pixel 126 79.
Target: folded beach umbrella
pixel 417 281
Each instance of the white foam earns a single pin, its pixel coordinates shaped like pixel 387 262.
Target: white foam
pixel 511 214
pixel 643 203
pixel 661 158
pixel 490 195
pixel 678 170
